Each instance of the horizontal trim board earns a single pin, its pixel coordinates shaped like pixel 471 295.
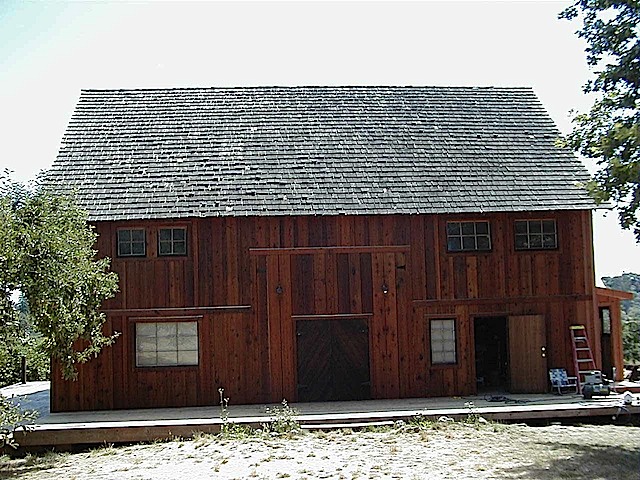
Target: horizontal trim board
pixel 180 311
pixel 334 316
pixel 337 249
pixel 541 298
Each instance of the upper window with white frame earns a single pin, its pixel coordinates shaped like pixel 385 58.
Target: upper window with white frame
pixel 166 344
pixel 443 341
pixel 131 242
pixel 468 236
pixel 172 241
pixel 536 235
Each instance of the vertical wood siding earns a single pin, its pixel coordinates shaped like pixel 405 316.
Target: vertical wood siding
pixel 229 280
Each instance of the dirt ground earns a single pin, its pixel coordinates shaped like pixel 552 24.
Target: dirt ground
pixel 436 451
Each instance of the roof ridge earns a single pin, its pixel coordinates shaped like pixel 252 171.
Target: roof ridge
pixel 334 87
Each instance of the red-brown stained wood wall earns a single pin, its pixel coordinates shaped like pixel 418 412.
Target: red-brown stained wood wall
pixel 228 282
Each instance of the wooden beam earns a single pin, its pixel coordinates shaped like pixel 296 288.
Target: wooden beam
pixel 343 249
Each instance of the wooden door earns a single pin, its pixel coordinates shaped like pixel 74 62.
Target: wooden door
pixel 332 360
pixel 528 354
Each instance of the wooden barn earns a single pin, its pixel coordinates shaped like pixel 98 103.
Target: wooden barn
pixel 331 243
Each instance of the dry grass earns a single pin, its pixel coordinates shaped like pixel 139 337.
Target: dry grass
pixel 416 451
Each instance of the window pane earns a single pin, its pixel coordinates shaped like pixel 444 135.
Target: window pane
pixel 535 241
pixel 178 234
pixel 446 325
pixel 187 343
pixel 146 344
pixel 521 227
pixel 166 344
pixel 188 357
pixel 146 359
pixel 535 226
pixel 468 243
pixel 483 243
pixel 179 248
pixel 167 329
pixel 449 357
pixel 124 249
pixel 448 349
pixel 124 235
pixel 549 241
pixel 137 249
pixel 482 227
pixel 454 244
pixel 522 242
pixel 165 234
pixel 453 228
pixel 167 358
pixel 468 228
pixel 165 248
pixel 549 226
pixel 137 235
pixel 146 329
pixel 187 328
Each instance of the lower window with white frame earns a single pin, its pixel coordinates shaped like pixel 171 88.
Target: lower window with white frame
pixel 166 344
pixel 443 341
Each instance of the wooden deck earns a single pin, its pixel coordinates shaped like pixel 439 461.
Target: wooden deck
pixel 117 426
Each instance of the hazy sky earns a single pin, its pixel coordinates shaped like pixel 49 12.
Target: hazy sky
pixel 49 51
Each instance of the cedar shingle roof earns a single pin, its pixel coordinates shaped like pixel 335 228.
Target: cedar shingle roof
pixel 138 154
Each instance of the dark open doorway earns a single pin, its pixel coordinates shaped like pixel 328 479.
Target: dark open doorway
pixel 605 342
pixel 492 358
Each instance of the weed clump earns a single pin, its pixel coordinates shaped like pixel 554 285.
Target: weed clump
pixel 284 420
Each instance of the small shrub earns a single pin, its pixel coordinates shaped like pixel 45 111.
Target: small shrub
pixel 283 419
pixel 472 414
pixel 420 423
pixel 12 418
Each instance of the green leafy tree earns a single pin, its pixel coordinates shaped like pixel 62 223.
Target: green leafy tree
pixel 46 253
pixel 610 131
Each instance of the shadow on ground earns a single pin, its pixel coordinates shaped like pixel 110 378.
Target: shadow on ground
pixel 561 460
pixel 14 468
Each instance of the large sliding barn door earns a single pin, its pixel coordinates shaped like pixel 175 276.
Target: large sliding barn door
pixel 333 360
pixel 528 354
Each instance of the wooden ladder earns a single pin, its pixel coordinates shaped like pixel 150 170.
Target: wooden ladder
pixel 582 356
